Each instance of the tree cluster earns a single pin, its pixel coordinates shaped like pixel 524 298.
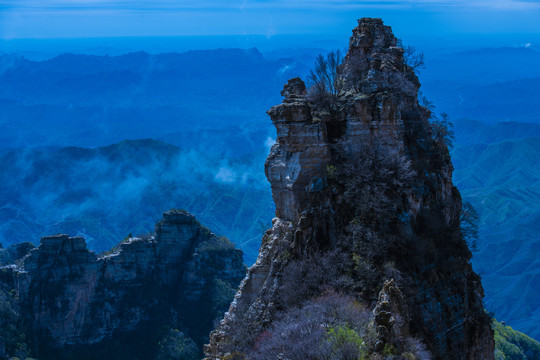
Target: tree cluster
pixel 325 81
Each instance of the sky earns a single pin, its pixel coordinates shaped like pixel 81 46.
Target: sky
pixel 46 19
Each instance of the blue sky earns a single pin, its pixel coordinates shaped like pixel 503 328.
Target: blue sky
pixel 111 18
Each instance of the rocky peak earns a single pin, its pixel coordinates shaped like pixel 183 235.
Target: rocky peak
pixel 176 224
pixel 75 302
pixel 375 63
pixel 364 201
pixel 178 217
pixel 294 89
pixel 391 315
pixel 62 243
pixel 379 92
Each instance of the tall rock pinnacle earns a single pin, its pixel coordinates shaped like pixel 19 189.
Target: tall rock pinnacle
pixel 365 207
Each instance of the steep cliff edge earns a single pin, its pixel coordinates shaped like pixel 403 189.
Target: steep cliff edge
pixel 365 207
pixel 76 304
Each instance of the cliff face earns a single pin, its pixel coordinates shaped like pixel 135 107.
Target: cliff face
pixel 362 183
pixel 73 300
pixel 14 252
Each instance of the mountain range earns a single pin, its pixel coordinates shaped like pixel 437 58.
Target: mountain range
pixel 204 111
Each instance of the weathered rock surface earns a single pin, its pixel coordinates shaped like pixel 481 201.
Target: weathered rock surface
pixel 366 175
pixel 14 252
pixel 391 315
pixel 74 300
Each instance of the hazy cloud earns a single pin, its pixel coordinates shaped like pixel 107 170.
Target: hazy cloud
pixel 269 143
pixel 225 175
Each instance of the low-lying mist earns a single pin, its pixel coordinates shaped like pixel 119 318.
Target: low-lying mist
pixel 106 193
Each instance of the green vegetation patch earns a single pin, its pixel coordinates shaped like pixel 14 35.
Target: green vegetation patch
pixel 513 345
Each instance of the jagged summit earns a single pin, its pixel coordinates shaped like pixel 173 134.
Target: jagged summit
pixel 375 62
pixel 74 303
pixel 365 208
pixel 62 242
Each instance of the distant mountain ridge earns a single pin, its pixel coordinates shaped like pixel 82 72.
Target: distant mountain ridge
pixel 497 169
pixel 190 109
pixel 87 100
pixel 487 84
pixel 508 101
pixel 477 132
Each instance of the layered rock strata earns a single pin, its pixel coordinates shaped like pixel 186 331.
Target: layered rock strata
pixel 74 300
pixel 364 176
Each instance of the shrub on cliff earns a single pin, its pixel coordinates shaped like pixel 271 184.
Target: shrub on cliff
pixel 513 345
pixel 324 80
pixel 443 130
pixel 468 222
pixel 222 296
pixel 217 244
pixel 411 56
pixel 310 276
pixel 175 345
pixel 11 327
pixel 376 182
pixel 330 327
